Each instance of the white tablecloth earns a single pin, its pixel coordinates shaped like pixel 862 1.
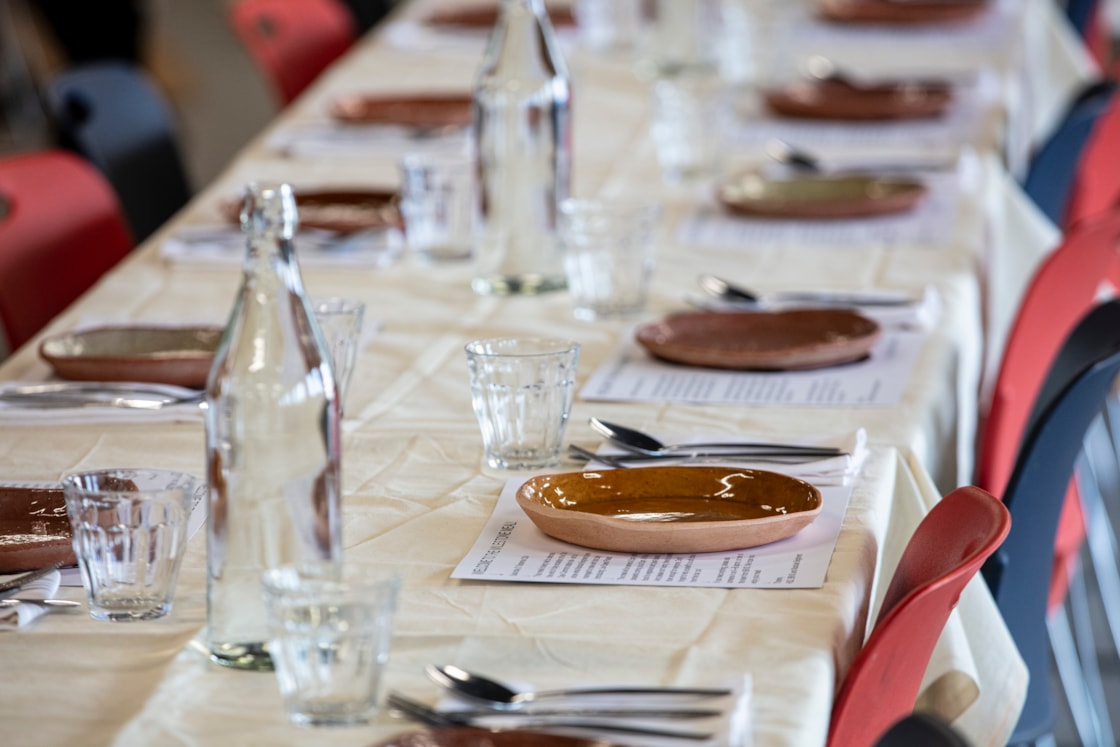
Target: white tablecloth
pixel 416 491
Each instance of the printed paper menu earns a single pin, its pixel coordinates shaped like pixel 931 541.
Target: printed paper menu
pixel 511 548
pixel 880 380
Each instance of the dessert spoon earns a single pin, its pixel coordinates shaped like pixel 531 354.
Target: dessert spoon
pixel 639 442
pixel 496 695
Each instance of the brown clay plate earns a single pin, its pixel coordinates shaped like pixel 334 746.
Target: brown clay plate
pixel 669 509
pixel 162 355
pixel 485 15
pixel 34 529
pixel 829 99
pixel 900 12
pixel 841 196
pixel 761 340
pixel 465 736
pixel 408 110
pixel 341 210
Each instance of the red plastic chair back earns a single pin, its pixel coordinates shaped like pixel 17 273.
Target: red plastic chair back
pixel 62 228
pixel 1080 273
pixel 1096 187
pixel 946 551
pixel 292 41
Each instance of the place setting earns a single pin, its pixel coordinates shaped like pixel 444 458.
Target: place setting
pixel 384 122
pixel 338 225
pixel 463 28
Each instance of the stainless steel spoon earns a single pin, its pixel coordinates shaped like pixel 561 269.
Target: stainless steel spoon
pixel 727 291
pixel 790 155
pixel 484 690
pixel 639 442
pixel 128 395
pixel 43 602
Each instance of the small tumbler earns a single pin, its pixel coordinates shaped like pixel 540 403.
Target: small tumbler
pixel 438 204
pixel 330 628
pixel 522 392
pixel 608 254
pixel 689 126
pixel 130 534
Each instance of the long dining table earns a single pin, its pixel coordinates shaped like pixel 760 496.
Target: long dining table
pixel 417 493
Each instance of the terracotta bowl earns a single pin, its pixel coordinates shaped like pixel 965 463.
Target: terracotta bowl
pixel 762 340
pixel 822 197
pixel 484 16
pixel 808 99
pixel 911 12
pixel 161 355
pixel 670 509
pixel 434 110
pixel 34 529
pixel 341 210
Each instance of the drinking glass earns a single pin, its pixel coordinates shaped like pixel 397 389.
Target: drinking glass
pixel 330 628
pixel 130 533
pixel 608 254
pixel 522 391
pixel 438 204
pixel 340 320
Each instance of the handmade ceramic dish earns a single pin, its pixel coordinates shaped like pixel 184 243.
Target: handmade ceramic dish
pixel 839 196
pixel 161 355
pixel 422 111
pixel 763 340
pixel 901 12
pixel 467 736
pixel 34 528
pixel 830 99
pixel 484 16
pixel 669 509
pixel 343 211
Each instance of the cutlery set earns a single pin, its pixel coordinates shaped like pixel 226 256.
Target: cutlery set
pixel 497 706
pixel 643 448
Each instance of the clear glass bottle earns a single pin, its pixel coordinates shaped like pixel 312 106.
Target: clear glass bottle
pixel 272 436
pixel 523 144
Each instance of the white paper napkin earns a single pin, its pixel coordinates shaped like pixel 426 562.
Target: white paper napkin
pixel 838 470
pixel 13 618
pixel 224 245
pixel 922 313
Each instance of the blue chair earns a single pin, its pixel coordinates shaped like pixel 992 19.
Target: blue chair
pixel 114 117
pixel 1053 168
pixel 921 730
pixel 1074 393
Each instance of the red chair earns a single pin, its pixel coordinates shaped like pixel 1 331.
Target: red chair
pixel 946 551
pixel 61 228
pixel 1096 186
pixel 292 41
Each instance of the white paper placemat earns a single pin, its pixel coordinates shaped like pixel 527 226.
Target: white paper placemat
pixel 511 548
pixel 880 380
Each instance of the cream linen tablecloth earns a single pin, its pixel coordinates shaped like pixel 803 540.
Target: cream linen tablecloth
pixel 416 491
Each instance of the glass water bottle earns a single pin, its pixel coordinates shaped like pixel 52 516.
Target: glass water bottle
pixel 272 436
pixel 523 144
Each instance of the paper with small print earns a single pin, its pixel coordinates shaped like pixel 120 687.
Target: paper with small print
pixel 880 380
pixel 511 548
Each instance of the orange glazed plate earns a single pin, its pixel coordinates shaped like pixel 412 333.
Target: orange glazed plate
pixel 340 210
pixel 485 15
pixel 761 340
pixel 670 509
